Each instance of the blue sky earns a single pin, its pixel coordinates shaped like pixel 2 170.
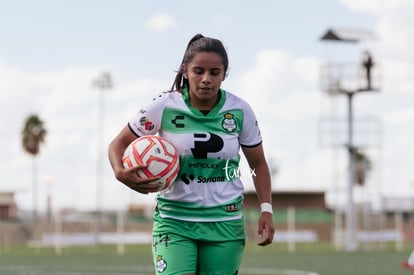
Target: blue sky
pixel 47 35
pixel 51 51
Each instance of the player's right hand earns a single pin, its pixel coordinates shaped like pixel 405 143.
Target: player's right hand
pixel 129 177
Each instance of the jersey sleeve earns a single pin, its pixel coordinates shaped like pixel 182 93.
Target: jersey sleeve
pixel 250 135
pixel 147 121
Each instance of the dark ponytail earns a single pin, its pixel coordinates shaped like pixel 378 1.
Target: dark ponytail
pixel 197 44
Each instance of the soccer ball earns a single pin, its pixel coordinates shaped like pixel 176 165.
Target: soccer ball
pixel 160 156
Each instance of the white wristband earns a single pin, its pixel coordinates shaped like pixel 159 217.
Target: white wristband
pixel 266 207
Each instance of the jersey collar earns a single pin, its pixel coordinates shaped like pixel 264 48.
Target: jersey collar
pixel 213 111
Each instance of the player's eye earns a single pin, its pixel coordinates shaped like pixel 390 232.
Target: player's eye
pixel 215 72
pixel 198 70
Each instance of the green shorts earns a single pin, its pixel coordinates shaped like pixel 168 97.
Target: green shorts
pixel 202 248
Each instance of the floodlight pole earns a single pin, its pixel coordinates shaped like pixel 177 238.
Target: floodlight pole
pixel 349 37
pixel 103 83
pixel 351 243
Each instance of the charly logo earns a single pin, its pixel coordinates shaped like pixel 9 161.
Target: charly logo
pixel 177 121
pixel 161 264
pixel 229 123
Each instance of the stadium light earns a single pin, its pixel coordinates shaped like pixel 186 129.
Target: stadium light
pixel 103 83
pixel 349 36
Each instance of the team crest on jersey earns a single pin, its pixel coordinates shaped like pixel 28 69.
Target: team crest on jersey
pixel 146 124
pixel 161 264
pixel 229 123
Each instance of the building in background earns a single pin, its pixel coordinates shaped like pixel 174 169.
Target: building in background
pixel 8 207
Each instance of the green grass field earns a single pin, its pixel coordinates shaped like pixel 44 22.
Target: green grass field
pixel 307 260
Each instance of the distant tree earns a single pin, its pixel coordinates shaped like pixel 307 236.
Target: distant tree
pixel 33 136
pixel 362 166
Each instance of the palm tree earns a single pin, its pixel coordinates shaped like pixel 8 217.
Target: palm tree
pixel 33 135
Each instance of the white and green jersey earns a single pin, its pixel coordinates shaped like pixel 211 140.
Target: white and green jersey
pixel 208 187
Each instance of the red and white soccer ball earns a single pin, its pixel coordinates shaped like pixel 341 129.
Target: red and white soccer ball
pixel 160 156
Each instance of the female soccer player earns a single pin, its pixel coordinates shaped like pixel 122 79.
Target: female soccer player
pixel 198 225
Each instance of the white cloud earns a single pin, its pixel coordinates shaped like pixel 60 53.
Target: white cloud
pixel 393 26
pixel 282 88
pixel 397 77
pixel 401 117
pixel 393 104
pixel 396 37
pixel 161 22
pixel 284 91
pixel 68 104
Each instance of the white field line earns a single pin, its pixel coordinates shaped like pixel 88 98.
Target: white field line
pixel 128 270
pixel 275 271
pixel 68 270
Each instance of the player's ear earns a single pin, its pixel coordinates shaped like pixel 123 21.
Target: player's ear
pixel 184 71
pixel 224 76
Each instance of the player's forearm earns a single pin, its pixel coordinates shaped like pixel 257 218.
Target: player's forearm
pixel 115 152
pixel 262 183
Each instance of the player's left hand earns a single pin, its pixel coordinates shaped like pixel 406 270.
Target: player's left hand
pixel 266 229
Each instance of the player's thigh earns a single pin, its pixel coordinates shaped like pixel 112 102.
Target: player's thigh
pixel 218 258
pixel 174 254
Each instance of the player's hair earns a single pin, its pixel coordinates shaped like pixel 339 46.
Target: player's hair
pixel 198 44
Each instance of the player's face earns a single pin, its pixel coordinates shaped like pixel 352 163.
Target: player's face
pixel 205 74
